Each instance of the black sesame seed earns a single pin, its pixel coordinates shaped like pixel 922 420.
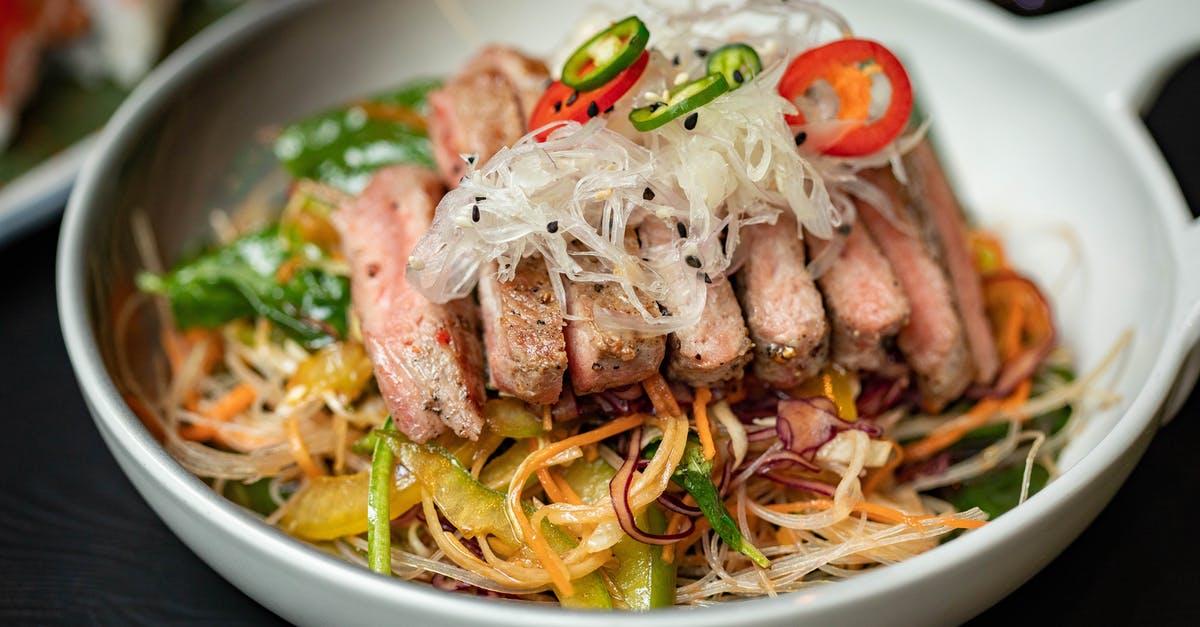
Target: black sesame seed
pixel 681 228
pixel 675 60
pixel 593 110
pixel 801 137
pixel 552 227
pixel 701 52
pixel 480 198
pixel 571 99
pixel 662 310
pixel 844 229
pixel 707 279
pixel 737 76
pixel 557 106
pixel 655 106
pixel 471 159
pixel 693 261
pixel 648 194
pixel 474 213
pixel 690 122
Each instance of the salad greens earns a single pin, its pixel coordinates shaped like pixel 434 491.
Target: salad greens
pixel 342 147
pixel 265 274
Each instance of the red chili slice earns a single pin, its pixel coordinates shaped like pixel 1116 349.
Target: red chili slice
pixel 563 103
pixel 847 65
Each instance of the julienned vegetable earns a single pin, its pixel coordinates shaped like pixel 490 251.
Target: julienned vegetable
pixel 681 101
pixel 561 103
pixel 264 274
pixel 694 474
pixel 847 66
pixel 605 55
pixel 379 533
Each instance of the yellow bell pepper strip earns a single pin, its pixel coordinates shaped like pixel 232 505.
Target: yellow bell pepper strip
pixel 476 510
pixel 330 507
pixel 694 474
pixel 835 384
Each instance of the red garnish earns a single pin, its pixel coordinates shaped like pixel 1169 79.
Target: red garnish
pixel 561 103
pixel 847 66
pixel 442 336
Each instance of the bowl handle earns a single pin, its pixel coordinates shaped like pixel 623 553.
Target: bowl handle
pixel 1117 53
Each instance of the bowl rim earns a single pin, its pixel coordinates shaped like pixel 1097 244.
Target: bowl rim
pixel 122 428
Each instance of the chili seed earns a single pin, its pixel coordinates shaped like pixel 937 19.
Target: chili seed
pixel 693 261
pixel 593 110
pixel 681 228
pixel 474 213
pixel 690 122
pixel 571 99
pixel 552 227
pixel 801 137
pixel 648 194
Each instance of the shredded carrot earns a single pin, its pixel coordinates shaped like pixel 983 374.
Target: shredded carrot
pixel 299 451
pixel 660 396
pixel 288 269
pixel 947 434
pixel 875 477
pixel 700 412
pixel 550 486
pixel 567 491
pixel 882 513
pixel 673 526
pixel 547 418
pixel 235 401
pixel 550 560
pixel 738 394
pixel 590 452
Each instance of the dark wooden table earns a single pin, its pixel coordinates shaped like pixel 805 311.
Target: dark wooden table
pixel 78 545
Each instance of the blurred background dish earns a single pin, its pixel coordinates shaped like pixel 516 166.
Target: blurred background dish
pixel 65 67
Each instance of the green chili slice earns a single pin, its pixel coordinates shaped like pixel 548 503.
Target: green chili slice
pixel 686 99
pixel 738 63
pixel 605 55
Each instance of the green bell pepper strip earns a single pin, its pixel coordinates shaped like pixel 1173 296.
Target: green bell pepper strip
pixel 644 579
pixel 476 510
pixel 605 55
pixel 379 533
pixel 694 474
pixel 737 62
pixel 682 101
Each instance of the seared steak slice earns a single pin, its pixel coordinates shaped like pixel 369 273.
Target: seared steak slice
pixel 782 305
pixel 716 349
pixel 523 332
pixel 933 341
pixel 865 303
pixel 484 108
pixel 937 205
pixel 426 356
pixel 600 358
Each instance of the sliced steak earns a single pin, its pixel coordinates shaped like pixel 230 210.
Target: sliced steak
pixel 866 305
pixel 937 205
pixel 599 358
pixel 933 341
pixel 717 349
pixel 427 358
pixel 782 305
pixel 484 108
pixel 523 333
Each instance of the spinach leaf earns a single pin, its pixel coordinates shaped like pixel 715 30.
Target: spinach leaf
pixel 241 280
pixel 342 147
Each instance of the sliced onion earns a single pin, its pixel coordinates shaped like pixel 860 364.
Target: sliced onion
pixel 676 504
pixel 618 491
pixel 799 483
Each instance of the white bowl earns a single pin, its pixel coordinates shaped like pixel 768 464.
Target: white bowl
pixel 1037 121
